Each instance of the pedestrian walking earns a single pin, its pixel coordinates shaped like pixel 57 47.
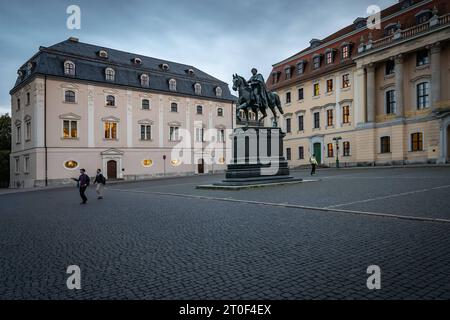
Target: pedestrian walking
pixel 313 162
pixel 83 182
pixel 100 181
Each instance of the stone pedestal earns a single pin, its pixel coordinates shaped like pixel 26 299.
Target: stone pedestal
pixel 258 158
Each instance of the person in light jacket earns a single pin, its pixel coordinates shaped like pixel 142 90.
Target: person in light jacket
pixel 313 162
pixel 100 181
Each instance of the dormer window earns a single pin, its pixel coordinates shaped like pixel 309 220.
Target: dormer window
pixel 301 67
pixel 103 54
pixel 198 88
pixel 29 67
pixel 423 16
pixel 69 68
pixel 172 85
pixel 218 92
pixel 390 29
pixel 345 51
pixel 137 61
pixel 110 74
pixel 315 43
pixel 288 72
pixel 164 66
pixel 360 23
pixel 145 80
pixel 275 77
pixel 329 56
pixel 190 72
pixel 20 73
pixel 317 61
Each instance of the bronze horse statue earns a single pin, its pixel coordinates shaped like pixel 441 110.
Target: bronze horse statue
pixel 247 101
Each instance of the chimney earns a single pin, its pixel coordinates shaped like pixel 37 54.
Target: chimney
pixel 73 39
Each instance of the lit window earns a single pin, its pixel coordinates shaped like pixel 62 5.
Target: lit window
pixel 390 102
pixel 330 150
pixel 330 85
pixel 417 141
pixel 385 145
pixel 346 114
pixel 110 101
pixel 145 104
pixel 110 74
pixel 345 52
pixel 146 132
pixel 330 118
pixel 71 164
pixel 147 163
pixel 316 89
pixel 329 57
pixel 173 107
pixel 423 95
pixel 346 146
pixel 346 81
pixel 69 68
pixel 110 130
pixel 69 96
pixel 175 162
pixel 70 129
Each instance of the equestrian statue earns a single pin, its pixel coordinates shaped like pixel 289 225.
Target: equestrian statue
pixel 254 96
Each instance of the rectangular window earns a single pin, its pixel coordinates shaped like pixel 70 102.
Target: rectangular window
pixel 288 154
pixel 346 114
pixel 18 104
pixel 423 58
pixel 316 62
pixel 345 52
pixel 146 132
pixel 288 73
pixel 316 120
pixel 300 94
pixel 330 85
pixel 390 102
pixel 111 130
pixel 346 146
pixel 18 134
pixel 28 98
pixel 301 123
pixel 346 81
pixel 301 153
pixel 329 57
pixel 417 142
pixel 390 67
pixel 423 95
pixel 174 133
pixel 330 118
pixel 301 68
pixel 199 135
pixel 330 150
pixel 70 129
pixel 26 164
pixel 221 135
pixel 288 97
pixel 17 165
pixel 385 144
pixel 173 107
pixel 288 125
pixel 316 90
pixel 28 131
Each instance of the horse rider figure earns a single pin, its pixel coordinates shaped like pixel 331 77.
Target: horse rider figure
pixel 259 90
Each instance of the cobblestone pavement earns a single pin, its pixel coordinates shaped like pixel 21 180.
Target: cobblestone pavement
pixel 143 242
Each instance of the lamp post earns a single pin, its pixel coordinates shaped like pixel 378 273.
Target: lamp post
pixel 337 139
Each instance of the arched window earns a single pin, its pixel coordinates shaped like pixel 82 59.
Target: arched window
pixel 69 96
pixel 145 104
pixel 173 107
pixel 110 74
pixel 199 110
pixel 218 92
pixel 69 68
pixel 198 88
pixel 110 101
pixel 145 80
pixel 172 85
pixel 220 112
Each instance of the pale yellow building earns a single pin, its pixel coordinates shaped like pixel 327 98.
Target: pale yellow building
pixel 385 92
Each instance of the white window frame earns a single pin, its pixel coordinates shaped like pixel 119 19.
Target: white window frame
pixel 17 165
pixel 146 137
pixel 385 101
pixel 66 69
pixel 70 128
pixel 26 164
pixel 106 121
pixel 173 85
pixel 174 133
pixel 110 74
pixel 142 104
pixel 145 80
pixel 416 96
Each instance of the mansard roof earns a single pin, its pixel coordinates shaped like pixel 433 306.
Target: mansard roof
pixel 91 65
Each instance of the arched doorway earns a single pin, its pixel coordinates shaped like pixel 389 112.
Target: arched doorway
pixel 317 150
pixel 201 166
pixel 111 169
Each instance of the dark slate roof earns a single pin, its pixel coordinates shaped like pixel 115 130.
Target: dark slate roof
pixel 90 67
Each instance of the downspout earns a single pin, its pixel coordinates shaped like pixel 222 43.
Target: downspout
pixel 45 130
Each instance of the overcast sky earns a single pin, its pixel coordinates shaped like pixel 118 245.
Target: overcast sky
pixel 218 37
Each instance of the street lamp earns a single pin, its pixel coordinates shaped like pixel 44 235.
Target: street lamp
pixel 337 139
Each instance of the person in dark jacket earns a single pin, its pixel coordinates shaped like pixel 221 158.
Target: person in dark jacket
pixel 83 183
pixel 100 181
